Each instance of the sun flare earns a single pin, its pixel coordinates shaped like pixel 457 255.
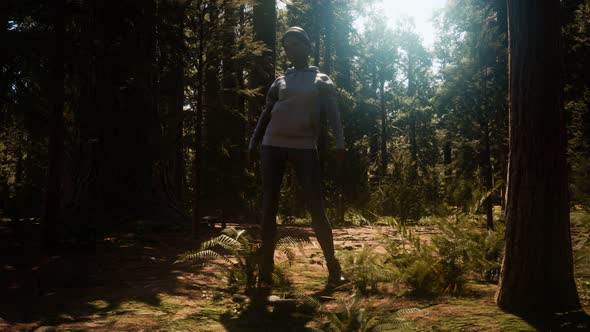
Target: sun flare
pixel 421 11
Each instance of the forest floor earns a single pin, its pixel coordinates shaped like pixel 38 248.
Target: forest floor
pixel 129 282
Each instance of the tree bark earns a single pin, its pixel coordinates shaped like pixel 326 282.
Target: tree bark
pixel 447 158
pixel 198 126
pixel 327 10
pixel 412 118
pixel 263 73
pixel 316 35
pixel 342 51
pixel 56 138
pixel 149 183
pixel 486 165
pixel 177 158
pixel 537 271
pixel 212 176
pixel 372 109
pixel 383 114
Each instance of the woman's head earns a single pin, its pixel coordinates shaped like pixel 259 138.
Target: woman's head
pixel 297 44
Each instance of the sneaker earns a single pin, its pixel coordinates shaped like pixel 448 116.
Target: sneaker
pixel 260 295
pixel 335 282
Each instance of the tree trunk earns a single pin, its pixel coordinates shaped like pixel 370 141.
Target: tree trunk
pixel 117 114
pixel 198 126
pixel 177 158
pixel 231 104
pixel 56 138
pixel 149 183
pixel 372 109
pixel 327 11
pixel 486 166
pixel 263 73
pixel 383 114
pixel 412 119
pixel 342 52
pixel 342 59
pixel 212 173
pixel 447 158
pixel 537 271
pixel 246 128
pixel 317 33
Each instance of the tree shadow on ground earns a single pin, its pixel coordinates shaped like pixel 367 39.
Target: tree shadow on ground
pixel 132 262
pixel 568 321
pixel 262 320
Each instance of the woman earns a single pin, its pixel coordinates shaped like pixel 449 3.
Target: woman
pixel 289 128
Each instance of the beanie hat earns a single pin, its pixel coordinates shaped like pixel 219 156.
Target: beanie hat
pixel 297 32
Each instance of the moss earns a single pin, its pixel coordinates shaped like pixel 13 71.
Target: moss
pixel 461 314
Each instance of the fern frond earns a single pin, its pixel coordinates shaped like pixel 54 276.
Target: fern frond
pixel 580 244
pixel 239 234
pixel 306 300
pixel 223 241
pixel 404 311
pixel 230 231
pixel 286 242
pixel 290 254
pixel 338 325
pixel 289 241
pixel 193 256
pixel 190 256
pixel 371 324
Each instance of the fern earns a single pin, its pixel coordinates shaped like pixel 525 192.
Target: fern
pixel 365 269
pixel 354 317
pixel 223 241
pixel 238 256
pixel 203 255
pixel 441 266
pixel 285 244
pixel 305 300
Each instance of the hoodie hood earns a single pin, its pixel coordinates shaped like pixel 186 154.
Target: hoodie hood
pixel 312 69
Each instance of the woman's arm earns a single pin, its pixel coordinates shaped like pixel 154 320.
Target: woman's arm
pixel 261 127
pixel 330 106
pixel 271 98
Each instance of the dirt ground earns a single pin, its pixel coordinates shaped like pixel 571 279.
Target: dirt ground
pixel 129 282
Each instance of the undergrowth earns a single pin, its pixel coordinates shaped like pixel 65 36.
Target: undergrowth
pixel 237 255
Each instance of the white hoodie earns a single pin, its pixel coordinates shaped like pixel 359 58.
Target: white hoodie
pixel 294 102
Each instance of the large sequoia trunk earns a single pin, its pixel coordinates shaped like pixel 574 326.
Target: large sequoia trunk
pixel 537 271
pixel 117 118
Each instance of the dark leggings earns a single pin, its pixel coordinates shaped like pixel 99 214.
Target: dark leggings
pixel 307 168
